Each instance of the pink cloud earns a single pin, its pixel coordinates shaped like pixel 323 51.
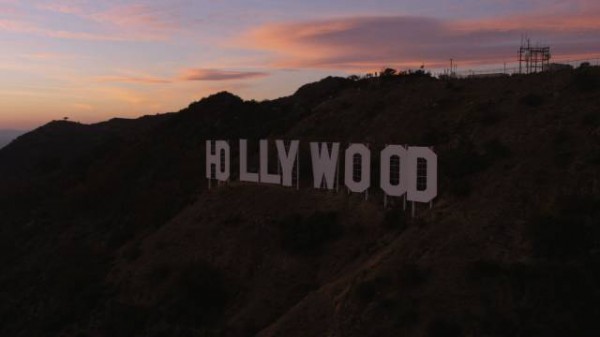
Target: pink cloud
pixel 118 22
pixel 136 16
pixel 406 41
pixel 49 56
pixel 59 7
pixel 195 74
pixel 134 79
pixel 200 74
pixel 25 27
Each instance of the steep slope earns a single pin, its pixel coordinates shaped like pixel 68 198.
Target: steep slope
pixel 122 238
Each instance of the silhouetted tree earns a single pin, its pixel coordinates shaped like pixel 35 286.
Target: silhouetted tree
pixel 387 72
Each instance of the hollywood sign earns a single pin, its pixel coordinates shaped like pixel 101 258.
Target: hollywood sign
pixel 404 171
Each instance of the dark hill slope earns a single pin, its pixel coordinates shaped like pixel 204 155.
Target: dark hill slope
pixel 116 234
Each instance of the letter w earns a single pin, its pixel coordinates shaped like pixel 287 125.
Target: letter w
pixel 324 163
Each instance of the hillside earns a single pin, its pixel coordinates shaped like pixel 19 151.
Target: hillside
pixel 109 229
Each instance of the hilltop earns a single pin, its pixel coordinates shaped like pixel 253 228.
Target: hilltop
pixel 109 229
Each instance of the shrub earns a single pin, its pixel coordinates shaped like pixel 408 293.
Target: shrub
pixel 594 158
pixel 443 328
pixel 387 72
pixel 481 271
pixel 459 164
pixel 412 275
pixel 586 80
pixel 395 218
pixel 591 119
pixel 159 273
pixel 123 320
pixel 463 161
pixel 434 136
pixel 460 188
pixel 306 234
pixel 200 295
pixel 555 299
pixel 404 310
pixel 532 100
pixel 366 290
pixel 571 232
pixel 495 149
pixel 491 117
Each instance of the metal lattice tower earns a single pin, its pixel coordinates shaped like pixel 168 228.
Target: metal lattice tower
pixel 533 59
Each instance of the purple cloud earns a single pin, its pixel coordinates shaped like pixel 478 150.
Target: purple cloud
pixel 406 41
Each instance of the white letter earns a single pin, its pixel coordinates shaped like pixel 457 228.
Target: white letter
pixel 324 163
pixel 365 168
pixel 418 177
pixel 244 174
pixel 390 151
pixel 287 160
pixel 265 177
pixel 221 153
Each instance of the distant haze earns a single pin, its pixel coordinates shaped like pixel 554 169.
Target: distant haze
pixel 6 136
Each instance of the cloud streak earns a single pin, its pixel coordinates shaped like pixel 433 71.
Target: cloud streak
pixel 124 22
pixel 25 27
pixel 186 75
pixel 202 74
pixel 133 79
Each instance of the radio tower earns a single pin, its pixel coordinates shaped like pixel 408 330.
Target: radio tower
pixel 533 59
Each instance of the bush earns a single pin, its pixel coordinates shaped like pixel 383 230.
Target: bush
pixel 199 297
pixel 443 328
pixel 532 100
pixel 306 234
pixel 434 136
pixel 555 299
pixel 366 290
pixel 387 72
pixel 412 275
pixel 463 161
pixel 395 218
pixel 586 80
pixel 591 119
pixel 159 273
pixel 123 320
pixel 491 117
pixel 495 149
pixel 594 158
pixel 482 271
pixel 404 311
pixel 459 164
pixel 572 232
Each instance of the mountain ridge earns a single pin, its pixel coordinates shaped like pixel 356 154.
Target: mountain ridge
pixel 109 229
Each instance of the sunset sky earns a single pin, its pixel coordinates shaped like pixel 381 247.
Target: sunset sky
pixel 93 60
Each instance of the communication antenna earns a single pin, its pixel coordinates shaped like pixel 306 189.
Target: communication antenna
pixel 533 59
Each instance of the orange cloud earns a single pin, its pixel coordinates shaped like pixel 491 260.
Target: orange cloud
pixel 139 19
pixel 135 16
pixel 200 74
pixel 193 74
pixel 24 27
pixel 134 79
pixel 130 22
